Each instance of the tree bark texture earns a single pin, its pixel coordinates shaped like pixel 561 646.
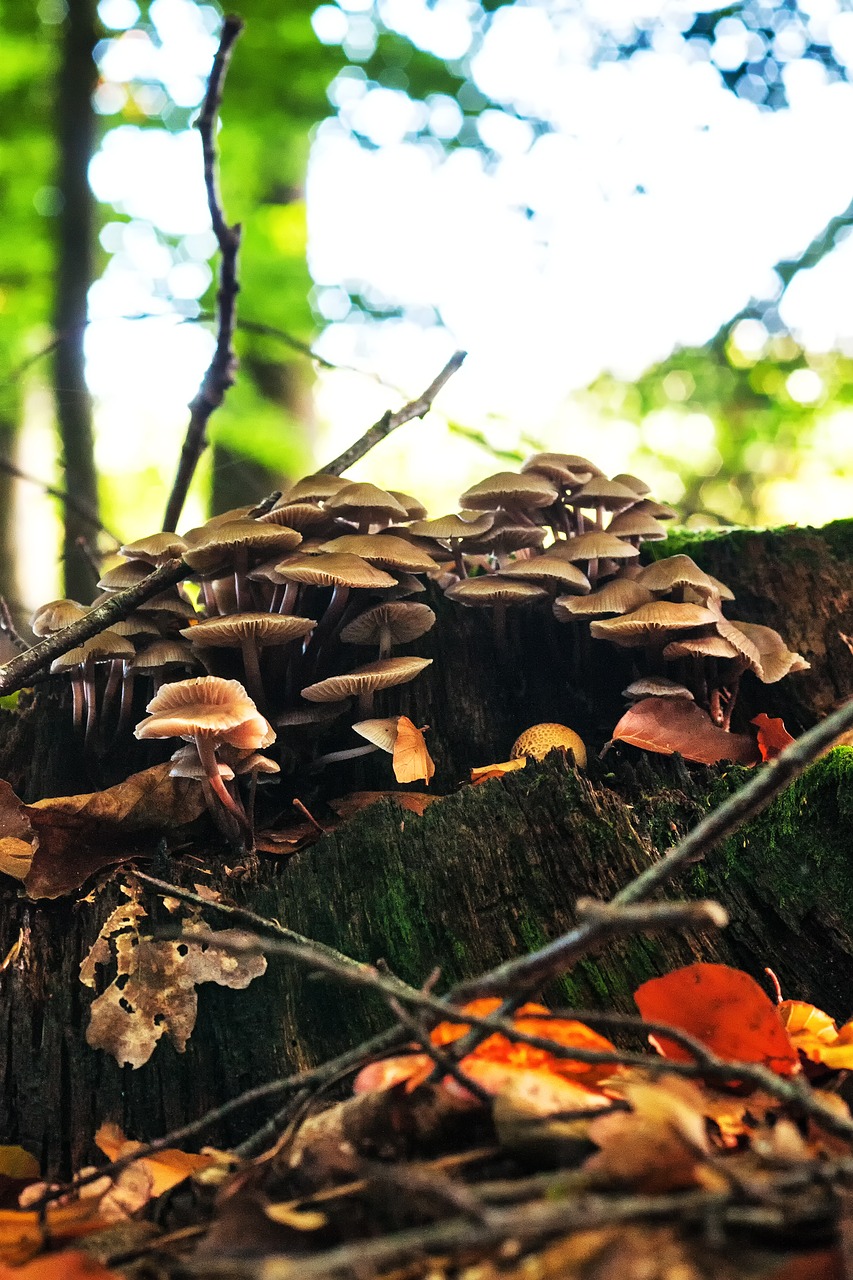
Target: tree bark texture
pixel 75 124
pixel 486 873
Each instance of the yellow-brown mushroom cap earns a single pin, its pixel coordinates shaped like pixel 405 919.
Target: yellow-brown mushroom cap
pixel 333 569
pixel 713 646
pixel 527 491
pixel 549 570
pixel 633 524
pixel 360 502
pixel 262 628
pixel 314 488
pixel 56 615
pixel 539 739
pixel 215 548
pixel 128 574
pixel 657 687
pixel 634 483
pixel 620 596
pixel 775 659
pixel 367 679
pixel 414 508
pixel 452 526
pixel 156 548
pixel 383 549
pixel 676 571
pixel 652 623
pixel 595 545
pixel 163 654
pixel 493 589
pixel 604 493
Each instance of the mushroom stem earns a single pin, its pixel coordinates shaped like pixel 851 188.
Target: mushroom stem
pixel 242 587
pixel 79 700
pixel 459 559
pixel 207 756
pixel 210 606
pixel 252 669
pixel 117 669
pixel 90 699
pixel 732 692
pixel 125 707
pixel 332 757
pixel 385 642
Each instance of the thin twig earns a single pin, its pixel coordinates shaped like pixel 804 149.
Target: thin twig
pixel 67 499
pixel 7 628
pixel 526 972
pixel 390 421
pixel 221 371
pixel 446 1065
pixel 15 674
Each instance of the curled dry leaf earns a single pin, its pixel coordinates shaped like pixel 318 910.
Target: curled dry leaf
pixel 153 991
pixel 816 1036
pixel 772 735
pixel 72 1264
pixel 72 837
pixel 413 801
pixel 667 725
pixel 484 772
pixel 23 1232
pixel 723 1008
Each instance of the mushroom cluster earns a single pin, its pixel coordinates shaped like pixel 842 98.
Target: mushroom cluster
pixel 276 598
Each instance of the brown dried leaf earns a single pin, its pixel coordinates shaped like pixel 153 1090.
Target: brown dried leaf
pixel 667 725
pixel 413 801
pixel 154 988
pixel 483 772
pixel 165 1168
pixel 78 835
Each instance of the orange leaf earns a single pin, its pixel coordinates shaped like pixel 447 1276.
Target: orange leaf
pixel 71 1265
pixel 23 1234
pixel 166 1168
pixel 773 737
pixel 486 771
pixel 667 725
pixel 725 1009
pixel 411 759
pixel 413 801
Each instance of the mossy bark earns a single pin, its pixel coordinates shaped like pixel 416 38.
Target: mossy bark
pixel 484 874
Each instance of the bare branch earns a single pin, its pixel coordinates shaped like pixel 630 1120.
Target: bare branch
pixel 390 421
pixel 68 499
pixel 220 373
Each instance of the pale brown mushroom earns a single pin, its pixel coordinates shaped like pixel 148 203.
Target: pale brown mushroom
pixel 495 592
pixel 525 491
pixel 249 632
pixel 235 547
pixel 156 548
pixel 599 494
pixel 365 681
pixel 395 622
pixel 652 624
pixel 454 530
pixel 673 574
pixel 549 571
pixel 591 547
pixel 656 687
pixel 365 505
pixel 384 549
pixel 619 596
pixel 314 488
pixel 636 526
pixel 56 615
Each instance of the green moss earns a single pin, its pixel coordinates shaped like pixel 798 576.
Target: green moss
pixel 798 850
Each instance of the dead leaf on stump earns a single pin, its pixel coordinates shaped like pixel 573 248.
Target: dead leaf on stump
pixel 153 991
pixel 667 725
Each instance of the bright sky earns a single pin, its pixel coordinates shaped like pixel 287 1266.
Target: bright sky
pixel 650 212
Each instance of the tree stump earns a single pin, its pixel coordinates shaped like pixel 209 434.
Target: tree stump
pixel 484 874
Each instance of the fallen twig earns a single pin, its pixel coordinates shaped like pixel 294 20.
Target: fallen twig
pixel 390 421
pixel 220 373
pixel 16 673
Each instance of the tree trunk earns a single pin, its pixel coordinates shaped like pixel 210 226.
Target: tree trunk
pixel 484 874
pixel 75 123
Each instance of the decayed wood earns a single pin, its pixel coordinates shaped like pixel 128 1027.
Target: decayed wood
pixel 484 874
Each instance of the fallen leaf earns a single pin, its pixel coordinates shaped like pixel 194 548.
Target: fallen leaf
pixel 78 835
pixel 413 801
pixel 16 857
pixel 70 1265
pixel 772 735
pixel 17 1163
pixel 165 1168
pixel 486 771
pixel 23 1232
pixel 300 1219
pixel 412 762
pixel 153 992
pixel 725 1009
pixel 289 840
pixel 660 1145
pixel 667 725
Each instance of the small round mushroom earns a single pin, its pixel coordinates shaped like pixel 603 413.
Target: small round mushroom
pixel 539 739
pixel 673 574
pixel 56 615
pixel 619 596
pixel 600 494
pixel 517 492
pixel 365 505
pixel 156 548
pixel 454 530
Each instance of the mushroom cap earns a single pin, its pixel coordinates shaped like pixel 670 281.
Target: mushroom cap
pixel 404 621
pixel 187 764
pixel 415 509
pixel 634 483
pixel 360 501
pixel 676 571
pixel 247 761
pixel 539 739
pixel 298 515
pixel 382 733
pixel 169 602
pixel 595 545
pixel 505 535
pixel 631 524
pixel 549 569
pixel 68 661
pixel 127 574
pixel 652 623
pixel 452 526
pixel 601 492
pixel 107 645
pixel 659 510
pixel 56 615
pixel 206 706
pixel 383 549
pixel 620 596
pixel 572 462
pixel 775 658
pixel 314 488
pixel 525 490
pixel 494 588
pixel 657 687
pixel 263 628
pixel 156 548
pixel 316 713
pixel 406 585
pixel 135 624
pixel 374 675
pixel 169 652
pixel 214 548
pixel 333 569
pixel 713 646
